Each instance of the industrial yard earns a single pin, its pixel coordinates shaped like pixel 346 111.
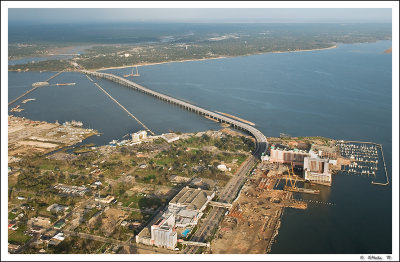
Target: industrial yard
pixel 27 137
pixel 254 220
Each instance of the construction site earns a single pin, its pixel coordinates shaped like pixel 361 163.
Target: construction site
pixel 254 220
pixel 292 168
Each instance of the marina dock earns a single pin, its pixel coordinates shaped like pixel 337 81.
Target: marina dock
pixel 364 157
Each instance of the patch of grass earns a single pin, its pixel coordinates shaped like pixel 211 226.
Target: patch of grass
pixel 11 215
pixel 148 202
pixel 149 177
pixel 164 161
pixel 47 166
pixel 90 214
pixel 241 158
pixel 126 200
pixel 136 216
pixel 19 238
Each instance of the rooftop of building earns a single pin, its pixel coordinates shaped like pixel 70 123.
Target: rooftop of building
pixel 288 149
pixel 170 136
pixel 144 233
pixel 318 159
pixel 192 198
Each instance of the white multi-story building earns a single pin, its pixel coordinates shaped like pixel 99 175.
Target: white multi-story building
pixel 295 157
pixel 184 210
pixel 317 170
pixel 163 233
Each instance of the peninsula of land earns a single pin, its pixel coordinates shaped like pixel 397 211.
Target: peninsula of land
pixel 106 198
pixel 211 41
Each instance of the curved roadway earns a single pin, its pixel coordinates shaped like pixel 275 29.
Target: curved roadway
pixel 261 141
pixel 230 191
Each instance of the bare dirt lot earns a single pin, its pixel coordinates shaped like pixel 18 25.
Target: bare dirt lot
pixel 254 220
pixel 112 217
pixel 27 137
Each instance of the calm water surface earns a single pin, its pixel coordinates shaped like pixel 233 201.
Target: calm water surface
pixel 342 93
pixel 75 50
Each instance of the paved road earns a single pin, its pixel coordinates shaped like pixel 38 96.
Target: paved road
pixel 260 138
pixel 235 184
pixel 227 195
pixel 127 243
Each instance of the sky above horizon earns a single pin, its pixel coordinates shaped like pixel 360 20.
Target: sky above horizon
pixel 285 15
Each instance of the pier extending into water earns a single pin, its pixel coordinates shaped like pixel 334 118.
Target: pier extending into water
pixel 384 165
pixel 34 88
pixel 126 110
pixel 54 76
pixel 261 141
pixel 21 96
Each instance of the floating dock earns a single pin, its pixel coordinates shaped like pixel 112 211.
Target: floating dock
pixel 65 84
pixel 364 157
pixel 27 100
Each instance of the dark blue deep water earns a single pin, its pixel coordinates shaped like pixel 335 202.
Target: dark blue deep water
pixel 342 93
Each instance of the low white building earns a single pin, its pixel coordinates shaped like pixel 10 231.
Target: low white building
pixel 222 167
pixel 265 158
pixel 170 137
pixel 59 236
pixel 139 136
pixel 55 208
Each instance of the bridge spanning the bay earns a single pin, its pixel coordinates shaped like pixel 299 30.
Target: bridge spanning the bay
pixel 232 189
pixel 261 141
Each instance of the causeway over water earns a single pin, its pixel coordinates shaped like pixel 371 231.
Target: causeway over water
pixel 261 141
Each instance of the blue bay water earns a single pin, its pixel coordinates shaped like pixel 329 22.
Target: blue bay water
pixel 341 93
pixel 87 103
pixel 38 59
pixel 66 56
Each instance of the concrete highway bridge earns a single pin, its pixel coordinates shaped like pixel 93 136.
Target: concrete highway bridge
pixel 234 185
pixel 261 141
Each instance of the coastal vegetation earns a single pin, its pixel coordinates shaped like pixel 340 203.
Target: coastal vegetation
pixel 141 179
pixel 138 44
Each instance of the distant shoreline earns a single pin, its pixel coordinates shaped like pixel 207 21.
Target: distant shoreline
pixel 212 58
pixel 200 59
